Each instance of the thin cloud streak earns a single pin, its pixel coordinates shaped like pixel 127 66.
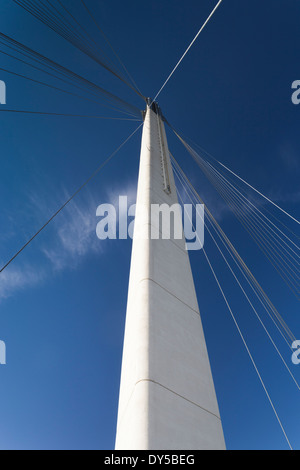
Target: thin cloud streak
pixel 71 238
pixel 16 279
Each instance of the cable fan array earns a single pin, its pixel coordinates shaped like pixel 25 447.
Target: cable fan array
pixel 63 74
pixel 280 249
pixel 58 18
pixel 256 288
pixel 54 17
pixel 221 241
pixel 70 29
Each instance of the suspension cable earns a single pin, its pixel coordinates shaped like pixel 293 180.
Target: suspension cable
pixel 41 59
pixel 60 89
pixel 70 198
pixel 242 337
pixel 282 257
pixel 111 47
pixel 245 182
pixel 69 36
pixel 255 286
pixel 66 115
pixel 187 50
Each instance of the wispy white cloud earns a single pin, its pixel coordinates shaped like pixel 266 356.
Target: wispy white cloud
pixel 70 238
pixel 16 279
pixel 289 157
pixel 129 190
pixel 74 237
pixel 285 197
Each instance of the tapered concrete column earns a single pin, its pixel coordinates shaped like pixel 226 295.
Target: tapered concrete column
pixel 167 396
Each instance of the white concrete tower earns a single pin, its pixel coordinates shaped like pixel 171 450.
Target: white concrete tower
pixel 167 396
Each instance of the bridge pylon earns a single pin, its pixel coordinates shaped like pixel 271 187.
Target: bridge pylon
pixel 167 396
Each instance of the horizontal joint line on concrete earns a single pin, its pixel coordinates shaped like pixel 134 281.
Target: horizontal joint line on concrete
pixel 175 241
pixel 177 394
pixel 173 295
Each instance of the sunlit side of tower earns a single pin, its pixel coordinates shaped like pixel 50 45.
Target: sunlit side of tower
pixel 167 396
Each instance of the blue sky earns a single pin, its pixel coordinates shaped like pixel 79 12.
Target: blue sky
pixel 63 301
